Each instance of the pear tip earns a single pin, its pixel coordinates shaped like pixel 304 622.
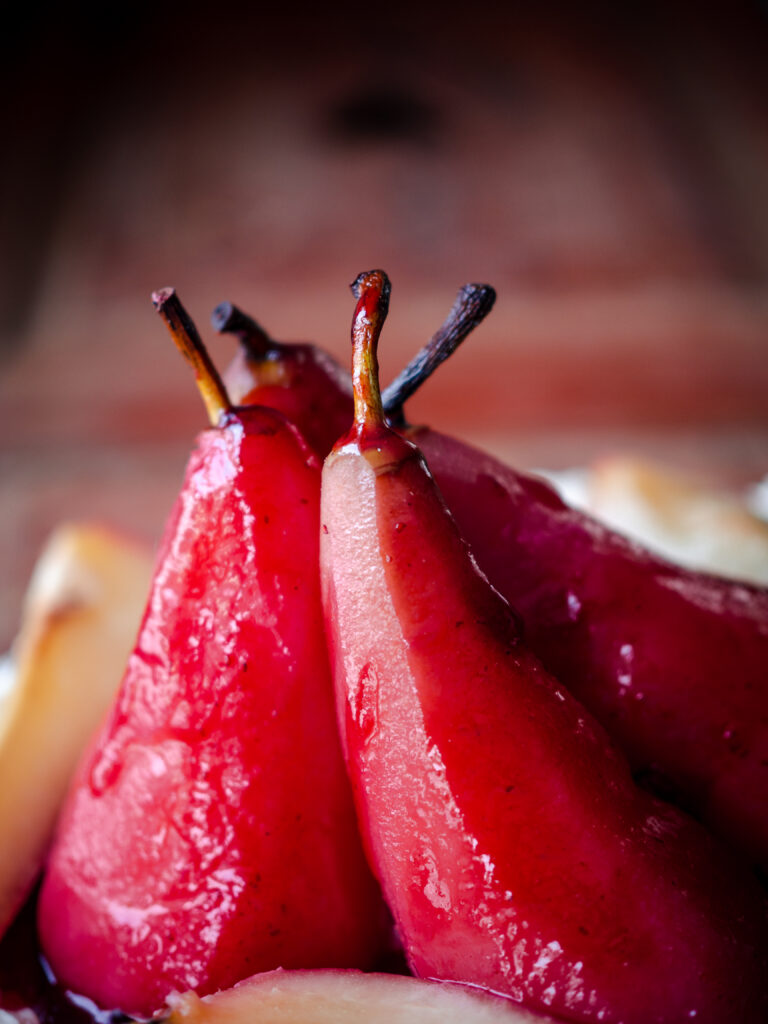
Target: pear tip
pixel 368 278
pixel 482 296
pixel 162 296
pixel 185 336
pixel 223 316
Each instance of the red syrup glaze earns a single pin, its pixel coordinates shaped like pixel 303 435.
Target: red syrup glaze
pixel 673 663
pixel 210 831
pixel 26 982
pixel 302 382
pixel 513 847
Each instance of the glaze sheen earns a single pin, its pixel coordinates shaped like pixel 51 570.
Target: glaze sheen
pixel 302 382
pixel 210 832
pixel 673 663
pixel 512 844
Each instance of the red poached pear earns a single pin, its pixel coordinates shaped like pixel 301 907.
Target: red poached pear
pixel 309 387
pixel 301 380
pixel 210 831
pixel 512 845
pixel 673 663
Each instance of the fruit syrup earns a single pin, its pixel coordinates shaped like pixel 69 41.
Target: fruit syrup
pixel 27 983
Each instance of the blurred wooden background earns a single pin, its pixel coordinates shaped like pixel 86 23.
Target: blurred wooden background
pixel 605 167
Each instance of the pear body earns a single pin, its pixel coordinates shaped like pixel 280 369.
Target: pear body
pixel 513 847
pixel 674 663
pixel 210 831
pixel 300 380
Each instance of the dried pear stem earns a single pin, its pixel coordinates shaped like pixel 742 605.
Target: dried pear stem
pixel 190 344
pixel 371 289
pixel 229 319
pixel 473 303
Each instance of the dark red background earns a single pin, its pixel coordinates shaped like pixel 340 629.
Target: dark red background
pixel 604 167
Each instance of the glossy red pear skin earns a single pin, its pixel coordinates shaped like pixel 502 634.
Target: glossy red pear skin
pixel 612 621
pixel 210 832
pixel 512 845
pixel 300 380
pixel 673 663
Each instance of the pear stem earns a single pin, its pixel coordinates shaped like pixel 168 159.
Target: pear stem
pixel 190 344
pixel 472 305
pixel 228 319
pixel 371 289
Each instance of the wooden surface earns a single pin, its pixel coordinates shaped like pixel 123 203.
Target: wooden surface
pixel 605 172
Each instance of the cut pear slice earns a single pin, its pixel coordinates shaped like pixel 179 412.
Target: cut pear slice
pixel 79 622
pixel 347 997
pixel 680 518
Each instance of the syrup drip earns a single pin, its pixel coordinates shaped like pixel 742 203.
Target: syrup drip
pixel 26 982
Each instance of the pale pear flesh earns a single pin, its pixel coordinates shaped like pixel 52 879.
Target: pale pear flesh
pixel 347 997
pixel 680 518
pixel 79 623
